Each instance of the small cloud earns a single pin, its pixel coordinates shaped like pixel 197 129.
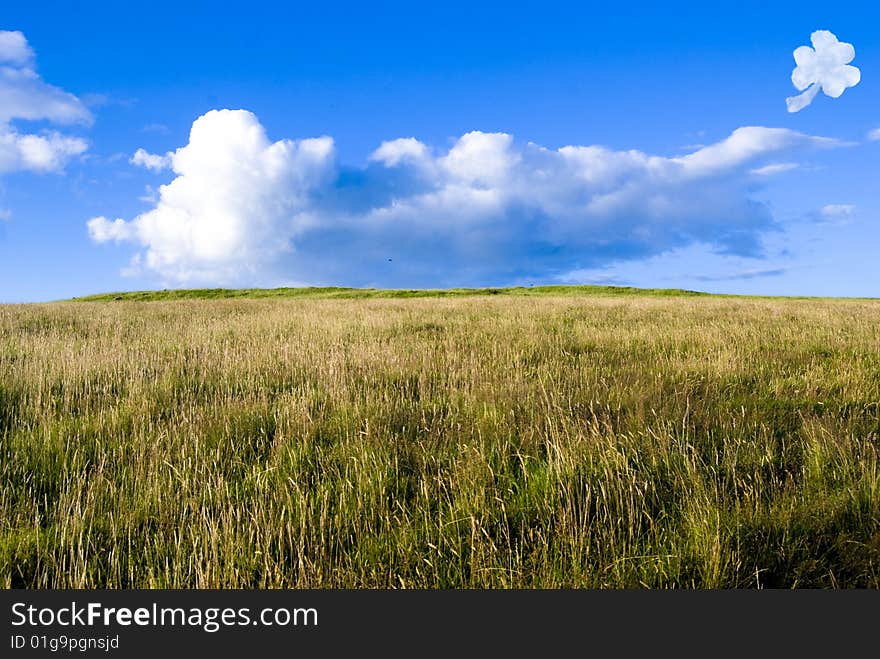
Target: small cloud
pixel 134 268
pixel 874 135
pixel 743 274
pixel 102 230
pixel 101 100
pixel 159 129
pixel 48 152
pixel 774 168
pixel 151 161
pixel 825 66
pixel 150 195
pixel 744 145
pixel 596 277
pixel 838 210
pixel 5 214
pixel 95 100
pixel 833 214
pixel 836 213
pixel 393 152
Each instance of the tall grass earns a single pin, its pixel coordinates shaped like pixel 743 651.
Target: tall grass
pixel 493 441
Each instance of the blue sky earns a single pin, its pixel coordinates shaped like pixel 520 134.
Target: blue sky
pixel 300 189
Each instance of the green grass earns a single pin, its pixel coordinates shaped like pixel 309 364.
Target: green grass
pixel 581 437
pixel 375 293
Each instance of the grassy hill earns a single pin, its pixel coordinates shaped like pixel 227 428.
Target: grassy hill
pixel 375 293
pixel 546 437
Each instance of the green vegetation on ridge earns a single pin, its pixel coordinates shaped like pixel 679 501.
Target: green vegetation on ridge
pixel 334 292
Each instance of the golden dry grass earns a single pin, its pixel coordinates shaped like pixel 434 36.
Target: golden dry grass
pixel 544 441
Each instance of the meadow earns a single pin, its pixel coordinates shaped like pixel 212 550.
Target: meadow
pixel 528 438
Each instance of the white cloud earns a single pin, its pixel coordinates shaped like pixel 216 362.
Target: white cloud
pixel 48 152
pixel 837 210
pixel 745 144
pixel 404 149
pixel 481 158
pixel 837 213
pixel 151 161
pixel 14 49
pixel 774 168
pixel 5 214
pixel 26 97
pixel 162 129
pixel 488 210
pixel 752 273
pixel 825 66
pixel 233 204
pixel 102 230
pixel 150 196
pixel 874 135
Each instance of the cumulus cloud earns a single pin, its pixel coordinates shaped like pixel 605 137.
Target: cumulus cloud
pixel 233 204
pixel 14 48
pixel 487 210
pixel 151 161
pixel 27 97
pixel 48 152
pixel 825 66
pixel 404 149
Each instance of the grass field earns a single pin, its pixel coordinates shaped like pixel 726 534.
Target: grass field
pixel 528 438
